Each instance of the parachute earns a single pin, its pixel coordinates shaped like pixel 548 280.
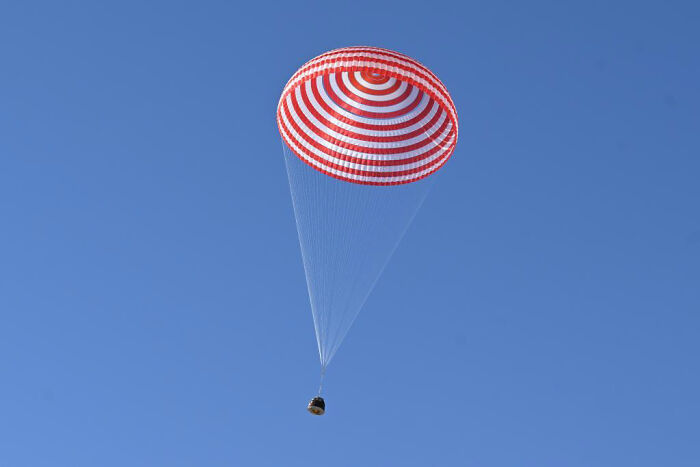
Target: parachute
pixel 362 130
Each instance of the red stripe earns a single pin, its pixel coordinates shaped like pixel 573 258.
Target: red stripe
pixel 399 76
pixel 337 77
pixel 376 139
pixel 362 161
pixel 437 164
pixel 374 92
pixel 406 58
pixel 422 71
pixel 378 79
pixel 352 52
pixel 356 160
pixel 386 53
pixel 387 60
pixel 364 113
pixel 355 123
pixel 353 147
pixel 362 182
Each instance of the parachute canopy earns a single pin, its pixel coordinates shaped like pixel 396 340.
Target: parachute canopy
pixel 368 115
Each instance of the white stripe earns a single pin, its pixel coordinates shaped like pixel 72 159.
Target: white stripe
pixel 372 168
pixel 370 121
pixel 417 77
pixel 352 53
pixel 369 108
pixel 439 141
pixel 424 102
pixel 368 144
pixel 376 87
pixel 372 97
pixel 359 178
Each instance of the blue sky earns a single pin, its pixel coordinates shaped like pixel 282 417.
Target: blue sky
pixel 542 310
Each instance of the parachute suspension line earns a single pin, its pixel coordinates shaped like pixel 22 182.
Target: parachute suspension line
pixel 299 217
pixel 320 384
pixel 351 319
pixel 358 206
pixel 307 188
pixel 347 233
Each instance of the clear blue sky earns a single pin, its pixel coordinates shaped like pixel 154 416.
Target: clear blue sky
pixel 543 309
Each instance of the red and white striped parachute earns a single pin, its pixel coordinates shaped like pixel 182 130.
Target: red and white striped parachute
pixel 371 117
pixel 368 115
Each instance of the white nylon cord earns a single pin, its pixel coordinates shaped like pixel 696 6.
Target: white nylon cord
pixel 347 233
